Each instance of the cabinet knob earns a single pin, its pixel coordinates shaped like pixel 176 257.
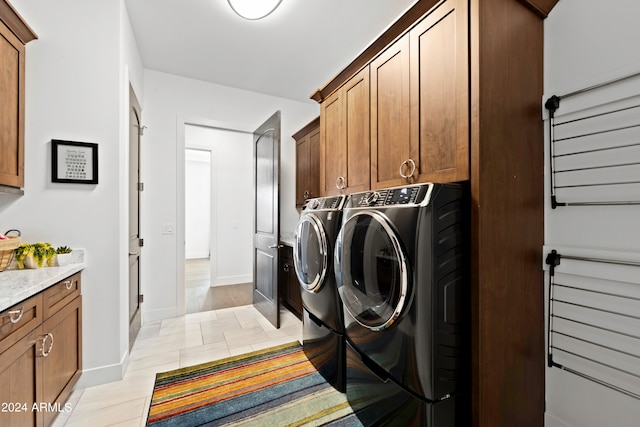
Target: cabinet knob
pixel 285 267
pixel 306 194
pixel 340 183
pixel 406 163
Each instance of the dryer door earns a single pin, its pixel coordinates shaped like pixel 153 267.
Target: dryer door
pixel 310 253
pixel 371 270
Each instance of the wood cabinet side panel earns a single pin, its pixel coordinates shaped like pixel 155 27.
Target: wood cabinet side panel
pixel 507 186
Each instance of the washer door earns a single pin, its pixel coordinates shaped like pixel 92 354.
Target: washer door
pixel 371 270
pixel 310 253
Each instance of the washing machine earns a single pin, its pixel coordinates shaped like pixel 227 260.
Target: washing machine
pixel 402 270
pixel 323 322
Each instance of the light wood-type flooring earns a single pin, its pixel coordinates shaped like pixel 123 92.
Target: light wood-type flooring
pixel 200 296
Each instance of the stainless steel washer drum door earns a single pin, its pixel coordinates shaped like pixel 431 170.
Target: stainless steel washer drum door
pixel 310 253
pixel 371 270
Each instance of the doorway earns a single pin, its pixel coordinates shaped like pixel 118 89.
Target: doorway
pixel 218 218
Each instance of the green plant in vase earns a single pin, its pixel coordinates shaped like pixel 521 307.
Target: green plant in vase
pixel 23 251
pixel 40 253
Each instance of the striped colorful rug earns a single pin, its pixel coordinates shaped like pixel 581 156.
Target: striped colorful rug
pixel 277 386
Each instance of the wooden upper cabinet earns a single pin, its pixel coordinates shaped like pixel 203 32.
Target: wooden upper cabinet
pixel 420 102
pixel 14 34
pixel 390 118
pixel 440 95
pixel 307 162
pixel 344 138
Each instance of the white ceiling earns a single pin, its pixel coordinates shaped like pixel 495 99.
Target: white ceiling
pixel 289 54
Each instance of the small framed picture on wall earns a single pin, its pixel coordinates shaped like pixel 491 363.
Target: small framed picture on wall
pixel 74 162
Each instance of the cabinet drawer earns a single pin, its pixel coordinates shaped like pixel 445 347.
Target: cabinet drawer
pixel 60 294
pixel 19 320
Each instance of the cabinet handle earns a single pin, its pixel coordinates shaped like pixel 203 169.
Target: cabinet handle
pixel 306 194
pixel 275 246
pixel 340 183
pixel 68 284
pixel 44 340
pixel 16 315
pixel 413 168
pixel 285 267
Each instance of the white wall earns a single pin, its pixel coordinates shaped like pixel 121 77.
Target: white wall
pixel 197 203
pixel 169 102
pixel 232 208
pixel 77 89
pixel 588 42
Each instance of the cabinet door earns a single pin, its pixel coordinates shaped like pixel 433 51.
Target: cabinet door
pixel 440 94
pixel 20 368
pixel 313 172
pixel 308 166
pixel 357 99
pixel 62 365
pixel 333 144
pixel 12 71
pixel 390 148
pixel 344 138
pixel 302 170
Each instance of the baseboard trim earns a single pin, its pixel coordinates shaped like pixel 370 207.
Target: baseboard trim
pixel 103 374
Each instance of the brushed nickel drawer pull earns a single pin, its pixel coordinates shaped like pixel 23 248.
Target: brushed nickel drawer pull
pixel 68 284
pixel 13 313
pixel 44 340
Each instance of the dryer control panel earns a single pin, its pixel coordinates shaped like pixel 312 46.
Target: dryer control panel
pixel 399 196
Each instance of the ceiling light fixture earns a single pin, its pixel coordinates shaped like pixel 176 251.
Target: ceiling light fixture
pixel 254 9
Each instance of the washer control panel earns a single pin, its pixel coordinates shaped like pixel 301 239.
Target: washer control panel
pixel 324 203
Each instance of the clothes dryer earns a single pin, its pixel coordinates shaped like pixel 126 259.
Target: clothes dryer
pixel 402 271
pixel 323 322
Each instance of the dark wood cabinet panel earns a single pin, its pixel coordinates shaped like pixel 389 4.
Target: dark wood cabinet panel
pixel 14 34
pixel 62 367
pixel 20 376
pixel 344 138
pixel 307 162
pixel 289 286
pixel 390 118
pixel 440 94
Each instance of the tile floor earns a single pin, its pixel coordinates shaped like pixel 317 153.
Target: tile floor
pixel 171 344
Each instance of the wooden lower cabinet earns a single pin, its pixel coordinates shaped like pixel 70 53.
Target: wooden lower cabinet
pixel 20 376
pixel 289 286
pixel 62 367
pixel 38 371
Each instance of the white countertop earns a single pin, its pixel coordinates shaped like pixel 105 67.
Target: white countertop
pixel 18 285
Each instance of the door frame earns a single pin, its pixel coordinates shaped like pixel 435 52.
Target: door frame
pixel 134 324
pixel 181 123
